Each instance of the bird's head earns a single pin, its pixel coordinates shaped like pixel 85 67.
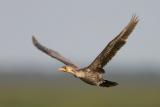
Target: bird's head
pixel 68 69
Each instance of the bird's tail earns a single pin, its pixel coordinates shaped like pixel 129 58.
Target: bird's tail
pixel 107 83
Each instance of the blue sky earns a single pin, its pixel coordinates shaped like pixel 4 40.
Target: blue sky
pixel 78 29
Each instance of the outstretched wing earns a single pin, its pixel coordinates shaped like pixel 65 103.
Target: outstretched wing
pixel 52 53
pixel 111 49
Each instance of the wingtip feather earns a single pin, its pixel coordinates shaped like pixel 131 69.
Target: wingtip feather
pixel 34 40
pixel 135 18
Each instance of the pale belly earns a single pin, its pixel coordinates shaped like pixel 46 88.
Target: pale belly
pixel 92 78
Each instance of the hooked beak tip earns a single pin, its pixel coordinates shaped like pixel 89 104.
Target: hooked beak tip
pixel 61 69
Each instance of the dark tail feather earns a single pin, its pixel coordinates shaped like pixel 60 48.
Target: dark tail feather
pixel 107 83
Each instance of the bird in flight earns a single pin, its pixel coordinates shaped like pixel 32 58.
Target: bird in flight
pixel 92 74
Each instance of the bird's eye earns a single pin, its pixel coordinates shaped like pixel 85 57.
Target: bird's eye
pixel 65 67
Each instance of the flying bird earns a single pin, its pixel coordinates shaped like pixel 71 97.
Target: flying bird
pixel 93 74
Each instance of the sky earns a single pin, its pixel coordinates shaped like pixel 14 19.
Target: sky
pixel 78 29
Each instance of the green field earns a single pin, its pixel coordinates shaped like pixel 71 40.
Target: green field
pixel 88 96
pixel 50 90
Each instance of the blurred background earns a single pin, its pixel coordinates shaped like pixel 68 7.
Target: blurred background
pixel 79 30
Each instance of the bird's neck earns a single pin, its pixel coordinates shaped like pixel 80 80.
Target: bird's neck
pixel 72 72
pixel 76 73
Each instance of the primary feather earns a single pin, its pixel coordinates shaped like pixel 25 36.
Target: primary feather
pixel 111 49
pixel 52 53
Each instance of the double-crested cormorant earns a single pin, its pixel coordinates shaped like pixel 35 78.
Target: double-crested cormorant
pixel 92 74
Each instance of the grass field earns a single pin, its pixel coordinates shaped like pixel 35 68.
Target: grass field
pixel 87 96
pixel 50 90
